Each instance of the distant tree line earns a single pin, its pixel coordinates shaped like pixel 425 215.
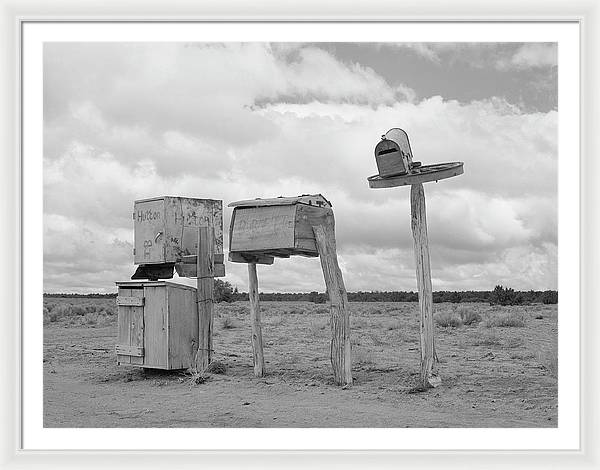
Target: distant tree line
pixel 225 292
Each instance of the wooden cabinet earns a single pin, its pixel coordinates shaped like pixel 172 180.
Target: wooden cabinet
pixel 157 324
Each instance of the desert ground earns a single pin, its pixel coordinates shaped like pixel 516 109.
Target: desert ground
pixel 498 367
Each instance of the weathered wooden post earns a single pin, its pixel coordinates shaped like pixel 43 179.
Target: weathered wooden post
pixel 396 168
pixel 340 352
pixel 205 296
pixel 257 344
pixel 264 229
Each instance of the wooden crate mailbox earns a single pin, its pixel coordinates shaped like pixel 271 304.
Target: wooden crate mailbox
pixel 396 167
pixel 264 229
pixel 158 324
pixel 163 324
pixel 166 235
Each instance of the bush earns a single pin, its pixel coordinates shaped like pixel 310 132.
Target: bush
pixel 228 323
pixel 508 296
pixel 549 297
pixel 447 319
pixel 223 291
pixel 469 317
pixel 506 319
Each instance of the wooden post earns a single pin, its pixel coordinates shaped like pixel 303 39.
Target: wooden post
pixel 428 377
pixel 257 344
pixel 341 358
pixel 205 296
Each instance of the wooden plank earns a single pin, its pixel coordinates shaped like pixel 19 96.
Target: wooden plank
pixel 262 228
pixel 257 343
pixel 183 327
pixel 130 301
pixel 341 358
pixel 428 376
pixel 148 223
pixel 155 329
pixel 126 350
pixel 205 297
pixel 309 199
pixel 189 270
pixel 193 259
pixel 124 325
pixel 136 332
pixel 258 258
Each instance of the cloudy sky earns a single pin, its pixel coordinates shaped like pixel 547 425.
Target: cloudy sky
pixel 126 121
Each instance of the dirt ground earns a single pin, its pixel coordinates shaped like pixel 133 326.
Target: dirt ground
pixel 492 376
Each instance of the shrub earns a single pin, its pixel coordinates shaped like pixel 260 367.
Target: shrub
pixel 506 319
pixel 549 297
pixel 468 317
pixel 227 323
pixel 447 319
pixel 502 296
pixel 487 339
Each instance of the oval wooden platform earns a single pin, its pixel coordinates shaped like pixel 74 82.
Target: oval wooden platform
pixel 423 174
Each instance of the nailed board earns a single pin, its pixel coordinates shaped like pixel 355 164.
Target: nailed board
pixel 423 174
pixel 130 301
pixel 166 228
pixel 126 350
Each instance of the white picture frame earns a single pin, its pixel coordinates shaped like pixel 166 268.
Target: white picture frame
pixel 15 14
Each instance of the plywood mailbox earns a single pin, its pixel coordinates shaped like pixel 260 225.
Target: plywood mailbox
pixel 166 235
pixel 158 324
pixel 264 229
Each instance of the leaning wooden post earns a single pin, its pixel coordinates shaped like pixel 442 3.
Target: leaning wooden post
pixel 421 248
pixel 341 357
pixel 257 344
pixel 205 296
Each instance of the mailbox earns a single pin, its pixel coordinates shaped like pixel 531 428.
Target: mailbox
pixel 166 235
pixel 393 154
pixel 280 227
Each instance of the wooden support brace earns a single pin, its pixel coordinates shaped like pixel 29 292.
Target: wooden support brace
pixel 341 357
pixel 428 376
pixel 257 343
pixel 205 296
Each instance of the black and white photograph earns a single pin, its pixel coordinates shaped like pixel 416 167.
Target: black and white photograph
pixel 300 234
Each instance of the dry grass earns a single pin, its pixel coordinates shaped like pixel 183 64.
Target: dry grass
pixel 468 316
pixel 505 319
pixel 447 320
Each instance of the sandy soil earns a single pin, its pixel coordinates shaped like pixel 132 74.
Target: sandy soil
pixel 492 376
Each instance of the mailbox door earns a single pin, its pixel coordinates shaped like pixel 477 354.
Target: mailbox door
pixel 130 341
pixel 149 236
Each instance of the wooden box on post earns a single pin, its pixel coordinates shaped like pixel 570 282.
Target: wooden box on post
pixel 157 324
pixel 280 227
pixel 166 234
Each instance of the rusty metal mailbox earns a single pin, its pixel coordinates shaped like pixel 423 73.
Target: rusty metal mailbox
pixel 393 154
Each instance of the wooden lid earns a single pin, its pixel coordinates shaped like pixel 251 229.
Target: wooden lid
pixel 317 200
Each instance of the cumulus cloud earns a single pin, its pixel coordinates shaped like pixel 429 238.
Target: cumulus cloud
pixel 235 121
pixel 531 55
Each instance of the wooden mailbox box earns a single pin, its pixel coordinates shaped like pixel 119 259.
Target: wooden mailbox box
pixel 166 235
pixel 280 227
pixel 158 324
